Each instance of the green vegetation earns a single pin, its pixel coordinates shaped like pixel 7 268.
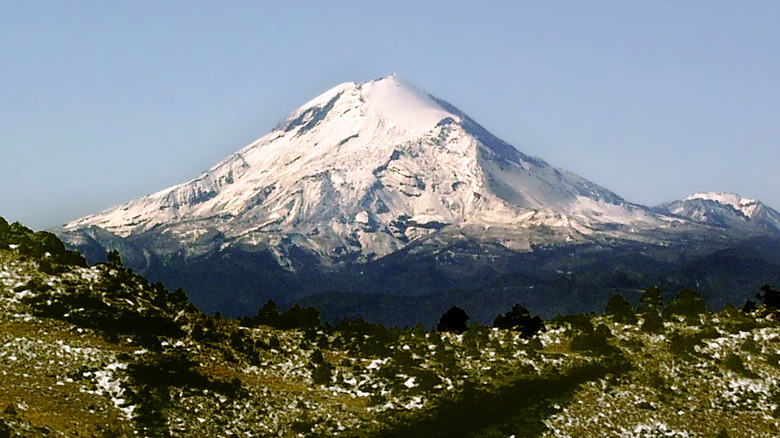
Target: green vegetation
pixel 519 319
pixel 294 317
pixel 99 351
pixel 770 298
pixel 455 319
pixel 688 304
pixel 42 245
pixel 620 310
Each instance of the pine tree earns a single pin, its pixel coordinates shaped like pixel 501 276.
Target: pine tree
pixel 653 322
pixel 114 259
pixel 519 319
pixel 454 319
pixel 770 298
pixel 688 304
pixel 620 310
pixel 651 299
pixel 750 306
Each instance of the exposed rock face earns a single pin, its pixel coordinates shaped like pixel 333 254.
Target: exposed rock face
pixel 725 210
pixel 364 169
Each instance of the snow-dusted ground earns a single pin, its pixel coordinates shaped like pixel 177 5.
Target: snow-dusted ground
pixel 73 379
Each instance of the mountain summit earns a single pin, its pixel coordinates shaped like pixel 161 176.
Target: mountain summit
pixel 364 169
pixel 377 197
pixel 724 210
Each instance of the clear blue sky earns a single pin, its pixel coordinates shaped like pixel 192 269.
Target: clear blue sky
pixel 102 102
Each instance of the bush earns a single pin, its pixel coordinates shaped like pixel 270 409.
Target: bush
pixel 153 379
pixel 519 319
pixel 620 310
pixel 322 374
pixel 751 346
pixel 42 245
pixel 688 304
pixel 684 345
pixel 5 231
pixel 453 320
pixel 266 315
pixel 114 259
pixel 770 298
pixel 651 300
pixel 750 306
pixel 300 317
pixel 652 323
pixel 317 357
pixel 296 317
pixel 476 337
pixel 593 340
pixel 736 364
pixel 579 321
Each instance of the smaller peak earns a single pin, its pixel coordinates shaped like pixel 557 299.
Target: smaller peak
pixel 722 197
pixel 747 206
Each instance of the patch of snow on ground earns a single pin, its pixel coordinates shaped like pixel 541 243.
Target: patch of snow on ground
pixel 108 384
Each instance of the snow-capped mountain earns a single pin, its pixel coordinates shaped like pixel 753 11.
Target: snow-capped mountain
pixel 724 210
pixel 365 169
pixel 376 192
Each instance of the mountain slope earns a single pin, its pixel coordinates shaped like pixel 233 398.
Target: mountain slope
pixel 724 210
pixel 98 351
pixel 380 188
pixel 364 169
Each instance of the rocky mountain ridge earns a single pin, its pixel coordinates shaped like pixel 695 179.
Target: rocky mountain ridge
pixel 724 210
pixel 365 169
pixel 366 182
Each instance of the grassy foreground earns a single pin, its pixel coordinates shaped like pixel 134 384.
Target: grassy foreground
pixel 98 351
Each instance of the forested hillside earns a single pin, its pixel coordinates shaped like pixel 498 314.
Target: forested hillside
pixel 99 351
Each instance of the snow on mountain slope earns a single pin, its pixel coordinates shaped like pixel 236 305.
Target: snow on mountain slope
pixel 724 210
pixel 366 168
pixel 746 206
